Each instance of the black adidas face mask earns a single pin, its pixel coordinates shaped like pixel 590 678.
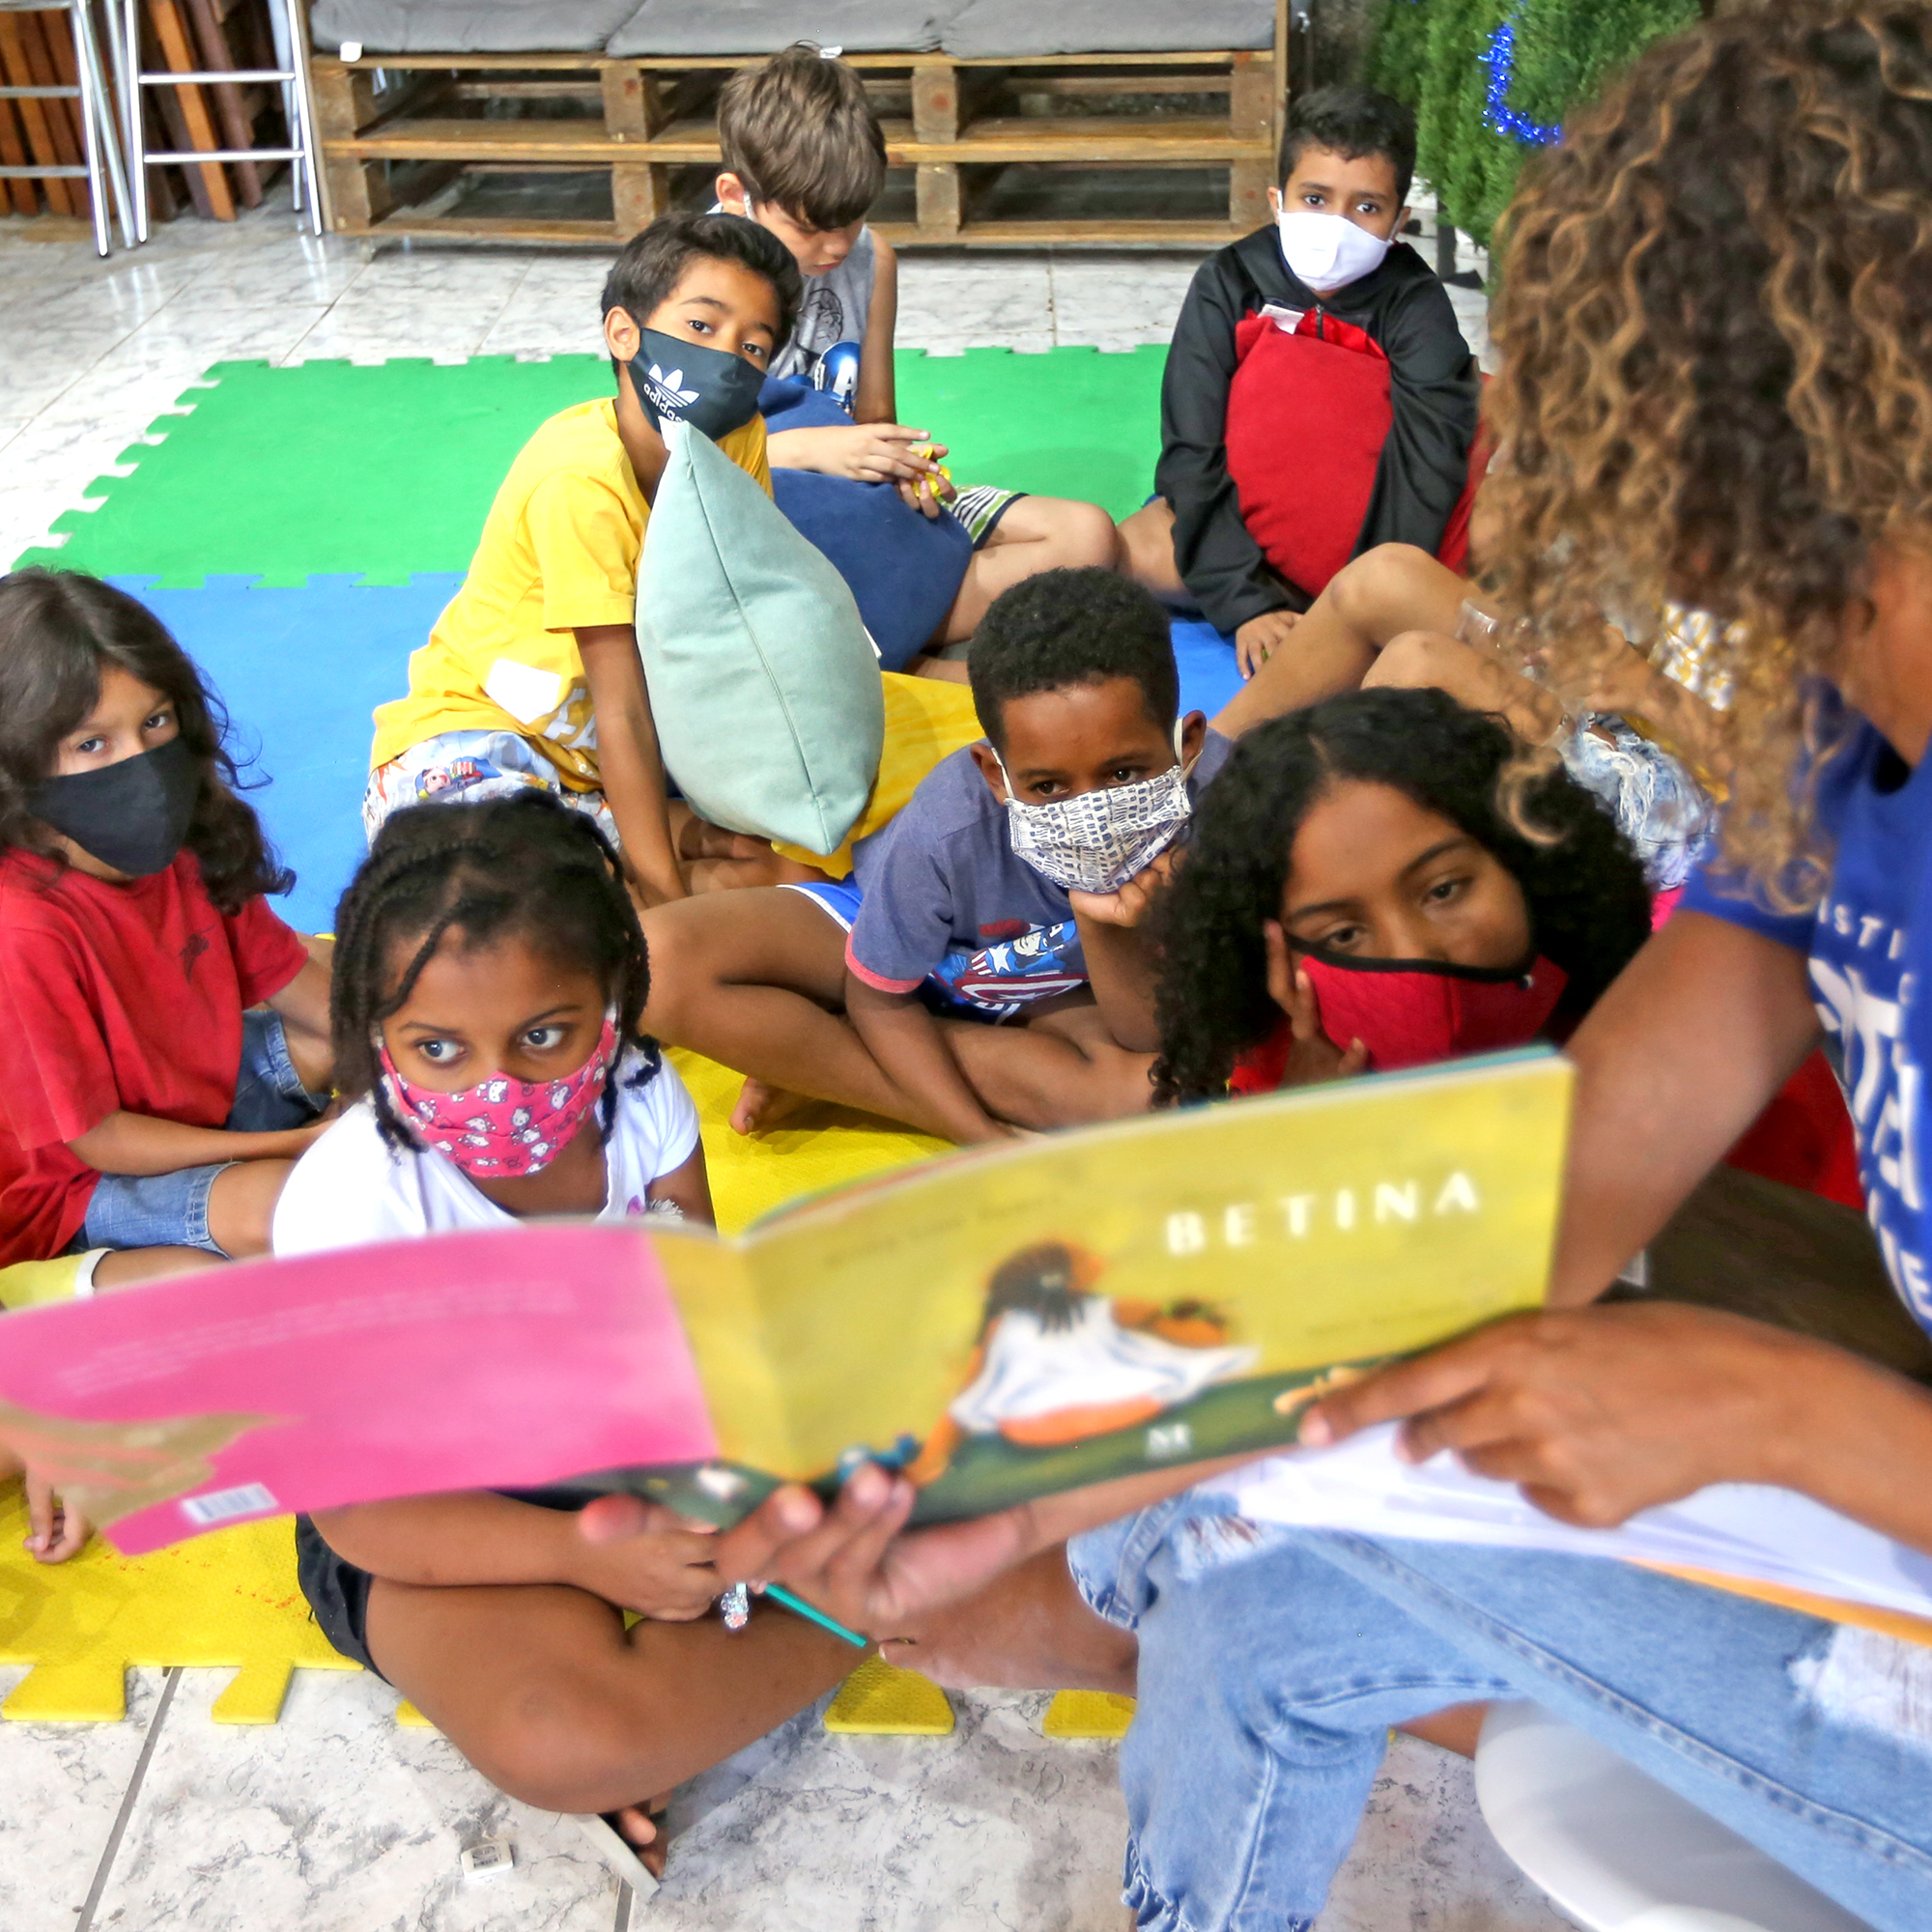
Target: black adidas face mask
pixel 680 381
pixel 132 816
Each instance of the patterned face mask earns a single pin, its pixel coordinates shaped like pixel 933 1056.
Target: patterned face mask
pixel 503 1128
pixel 1097 841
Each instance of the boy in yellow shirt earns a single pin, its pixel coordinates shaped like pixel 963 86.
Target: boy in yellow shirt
pixel 532 674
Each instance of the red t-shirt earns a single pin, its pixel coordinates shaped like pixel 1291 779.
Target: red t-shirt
pixel 115 998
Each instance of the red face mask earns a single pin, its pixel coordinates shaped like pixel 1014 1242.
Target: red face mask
pixel 1412 1012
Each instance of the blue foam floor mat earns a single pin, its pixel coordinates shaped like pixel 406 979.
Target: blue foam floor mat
pixel 301 669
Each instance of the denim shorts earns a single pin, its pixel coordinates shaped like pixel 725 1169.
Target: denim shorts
pixel 170 1211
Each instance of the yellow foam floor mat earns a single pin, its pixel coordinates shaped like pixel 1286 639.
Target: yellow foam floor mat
pixel 818 1147
pixel 1087 1714
pixel 230 1599
pixel 878 1700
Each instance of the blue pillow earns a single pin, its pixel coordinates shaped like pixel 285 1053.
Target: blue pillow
pixel 902 567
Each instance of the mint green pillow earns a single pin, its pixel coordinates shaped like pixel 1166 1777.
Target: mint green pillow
pixel 763 683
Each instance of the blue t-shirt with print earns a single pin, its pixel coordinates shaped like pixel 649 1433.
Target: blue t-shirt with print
pixel 946 897
pixel 1869 946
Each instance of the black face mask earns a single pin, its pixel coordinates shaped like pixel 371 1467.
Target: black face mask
pixel 680 381
pixel 132 816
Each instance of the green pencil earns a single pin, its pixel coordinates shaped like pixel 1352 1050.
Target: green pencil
pixel 779 1594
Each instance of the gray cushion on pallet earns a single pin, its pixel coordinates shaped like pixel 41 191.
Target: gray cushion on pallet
pixel 468 26
pixel 765 26
pixel 1015 29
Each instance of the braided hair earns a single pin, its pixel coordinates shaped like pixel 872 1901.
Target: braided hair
pixel 525 867
pixel 1589 907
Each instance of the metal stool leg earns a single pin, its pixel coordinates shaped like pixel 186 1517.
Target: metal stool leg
pixel 132 99
pixel 306 179
pixel 90 125
pixel 100 115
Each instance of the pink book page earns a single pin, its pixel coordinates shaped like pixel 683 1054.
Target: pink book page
pixel 496 1360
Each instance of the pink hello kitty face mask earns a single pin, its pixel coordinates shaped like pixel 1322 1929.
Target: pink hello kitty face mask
pixel 503 1128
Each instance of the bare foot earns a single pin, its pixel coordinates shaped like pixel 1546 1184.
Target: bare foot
pixel 642 1825
pixel 761 1108
pixel 1029 1630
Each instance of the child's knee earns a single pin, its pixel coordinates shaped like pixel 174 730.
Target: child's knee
pixel 242 1206
pixel 563 1744
pixel 1088 537
pixel 1413 659
pixel 1368 588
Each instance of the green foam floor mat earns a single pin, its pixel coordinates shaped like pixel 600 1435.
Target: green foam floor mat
pixel 385 470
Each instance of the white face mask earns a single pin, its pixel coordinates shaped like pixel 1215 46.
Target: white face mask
pixel 1097 841
pixel 1328 251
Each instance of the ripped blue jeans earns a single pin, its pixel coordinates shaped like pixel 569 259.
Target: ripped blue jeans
pixel 1274 1661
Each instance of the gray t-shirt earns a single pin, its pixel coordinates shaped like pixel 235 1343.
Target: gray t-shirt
pixel 833 310
pixel 946 896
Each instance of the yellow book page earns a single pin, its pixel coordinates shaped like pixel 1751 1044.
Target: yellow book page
pixel 1026 1318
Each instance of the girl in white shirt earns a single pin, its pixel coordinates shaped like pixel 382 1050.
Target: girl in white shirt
pixel 488 976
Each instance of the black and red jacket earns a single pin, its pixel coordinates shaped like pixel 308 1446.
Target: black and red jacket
pixel 1417 483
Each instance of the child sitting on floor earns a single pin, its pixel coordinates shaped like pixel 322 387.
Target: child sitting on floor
pixel 1376 882
pixel 804 156
pixel 1319 397
pixel 531 677
pixel 1395 615
pixel 151 1116
pixel 489 983
pixel 976 905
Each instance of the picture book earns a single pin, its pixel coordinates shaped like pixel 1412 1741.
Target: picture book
pixel 1000 1323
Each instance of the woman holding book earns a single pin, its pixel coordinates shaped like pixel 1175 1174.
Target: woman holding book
pixel 1718 388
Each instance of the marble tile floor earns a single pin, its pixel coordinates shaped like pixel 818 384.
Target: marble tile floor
pixel 334 1820
pixel 92 352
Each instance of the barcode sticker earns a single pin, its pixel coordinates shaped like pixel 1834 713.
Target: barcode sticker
pixel 225 1505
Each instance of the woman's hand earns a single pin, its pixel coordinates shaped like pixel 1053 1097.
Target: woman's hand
pixel 1260 638
pixel 850 1557
pixel 1313 1057
pixel 662 1569
pixel 881 452
pixel 1600 1413
pixel 56 1531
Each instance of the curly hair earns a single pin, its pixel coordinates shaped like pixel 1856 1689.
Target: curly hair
pixel 1716 320
pixel 526 867
pixel 59 631
pixel 1589 907
pixel 1071 627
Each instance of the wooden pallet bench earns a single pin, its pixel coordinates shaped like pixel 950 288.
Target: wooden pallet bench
pixel 954 123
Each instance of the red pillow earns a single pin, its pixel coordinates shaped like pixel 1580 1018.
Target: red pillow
pixel 1308 413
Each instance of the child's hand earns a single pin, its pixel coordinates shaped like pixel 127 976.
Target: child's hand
pixel 58 1530
pixel 1313 1057
pixel 929 495
pixel 1132 902
pixel 662 1571
pixel 873 452
pixel 1260 638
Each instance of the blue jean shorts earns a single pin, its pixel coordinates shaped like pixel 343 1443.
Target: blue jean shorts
pixel 170 1211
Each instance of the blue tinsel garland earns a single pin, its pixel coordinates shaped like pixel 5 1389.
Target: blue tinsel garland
pixel 1500 60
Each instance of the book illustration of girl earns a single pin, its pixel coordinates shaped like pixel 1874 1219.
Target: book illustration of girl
pixel 1056 1363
